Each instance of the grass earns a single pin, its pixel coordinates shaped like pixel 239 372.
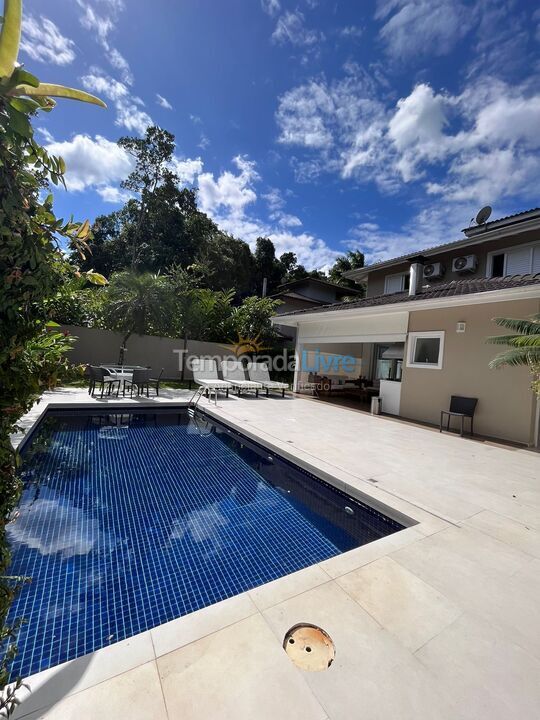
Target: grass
pixel 171 384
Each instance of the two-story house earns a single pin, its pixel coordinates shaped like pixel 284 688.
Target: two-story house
pixel 307 294
pixel 419 334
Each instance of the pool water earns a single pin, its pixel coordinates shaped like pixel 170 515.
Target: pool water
pixel 129 520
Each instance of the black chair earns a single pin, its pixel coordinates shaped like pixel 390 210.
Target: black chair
pixel 139 380
pixel 156 381
pixel 461 407
pixel 100 376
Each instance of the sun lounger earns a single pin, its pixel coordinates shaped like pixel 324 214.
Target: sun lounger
pixel 258 372
pixel 233 371
pixel 205 374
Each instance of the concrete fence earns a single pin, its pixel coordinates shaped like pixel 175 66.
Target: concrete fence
pixel 99 347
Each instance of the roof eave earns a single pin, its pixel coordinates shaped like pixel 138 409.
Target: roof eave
pixel 500 295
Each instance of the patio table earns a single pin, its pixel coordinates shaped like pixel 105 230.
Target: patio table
pixel 121 373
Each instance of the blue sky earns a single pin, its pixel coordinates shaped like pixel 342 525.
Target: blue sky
pixel 327 125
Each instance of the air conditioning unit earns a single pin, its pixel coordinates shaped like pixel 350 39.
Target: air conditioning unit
pixel 465 264
pixel 434 270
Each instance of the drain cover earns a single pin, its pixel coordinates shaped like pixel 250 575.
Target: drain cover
pixel 309 647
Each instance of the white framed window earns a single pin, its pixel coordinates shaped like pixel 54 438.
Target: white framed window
pixel 396 283
pixel 518 260
pixel 426 349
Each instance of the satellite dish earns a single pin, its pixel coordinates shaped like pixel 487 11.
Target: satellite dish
pixel 483 215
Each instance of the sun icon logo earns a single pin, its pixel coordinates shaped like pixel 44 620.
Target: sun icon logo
pixel 247 345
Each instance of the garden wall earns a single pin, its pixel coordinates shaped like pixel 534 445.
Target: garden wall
pixel 101 347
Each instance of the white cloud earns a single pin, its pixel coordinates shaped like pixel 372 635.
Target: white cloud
pixel 204 142
pixel 43 41
pixel 416 129
pixel 102 23
pixel 228 199
pixel 92 162
pixel 286 220
pixel 423 27
pixel 351 32
pixel 340 124
pixel 434 224
pixel 474 140
pixel 271 7
pixel 274 199
pixel 290 28
pixel 91 20
pixel 113 194
pixel 129 112
pixel 187 170
pixel 485 177
pixel 163 102
pixel 119 62
pixel 229 192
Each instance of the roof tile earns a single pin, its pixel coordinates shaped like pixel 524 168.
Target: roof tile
pixel 451 289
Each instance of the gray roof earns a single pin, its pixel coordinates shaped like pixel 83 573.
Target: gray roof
pixel 450 289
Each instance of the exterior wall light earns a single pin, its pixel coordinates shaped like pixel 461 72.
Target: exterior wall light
pixel 461 327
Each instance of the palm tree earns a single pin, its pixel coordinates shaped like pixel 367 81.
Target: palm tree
pixel 524 346
pixel 138 303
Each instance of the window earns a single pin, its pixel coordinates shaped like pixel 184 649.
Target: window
pixel 425 350
pixel 519 260
pixel 396 283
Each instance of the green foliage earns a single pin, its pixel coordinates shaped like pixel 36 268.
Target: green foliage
pixel 138 303
pixel 75 302
pixel 32 357
pixel 161 227
pixel 524 346
pixel 353 260
pixel 252 319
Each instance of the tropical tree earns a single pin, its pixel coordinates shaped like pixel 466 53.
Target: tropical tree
pixel 351 261
pixel 252 320
pixel 138 303
pixel 523 346
pixel 152 155
pixel 31 267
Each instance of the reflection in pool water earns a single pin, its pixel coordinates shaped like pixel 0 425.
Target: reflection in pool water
pixel 130 520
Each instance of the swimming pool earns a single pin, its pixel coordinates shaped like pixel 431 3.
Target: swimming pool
pixel 129 520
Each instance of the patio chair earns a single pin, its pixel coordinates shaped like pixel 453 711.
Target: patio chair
pixel 99 376
pixel 234 372
pixel 258 372
pixel 460 407
pixel 155 382
pixel 140 380
pixel 205 374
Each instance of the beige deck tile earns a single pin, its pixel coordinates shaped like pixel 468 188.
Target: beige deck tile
pixel 484 674
pixel 406 606
pixel 135 695
pixel 505 600
pixel 192 627
pixel 373 676
pixel 346 562
pixel 58 682
pixel 240 672
pixel 286 587
pixel 516 534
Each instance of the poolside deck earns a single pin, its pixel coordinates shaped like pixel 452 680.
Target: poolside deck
pixel 441 620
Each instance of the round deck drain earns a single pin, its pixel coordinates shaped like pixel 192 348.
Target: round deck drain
pixel 309 647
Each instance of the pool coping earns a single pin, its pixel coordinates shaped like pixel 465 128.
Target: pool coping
pixel 53 684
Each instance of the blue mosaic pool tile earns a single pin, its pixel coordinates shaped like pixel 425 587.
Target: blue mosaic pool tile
pixel 129 521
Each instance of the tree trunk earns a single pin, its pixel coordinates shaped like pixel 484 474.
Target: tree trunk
pixel 123 348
